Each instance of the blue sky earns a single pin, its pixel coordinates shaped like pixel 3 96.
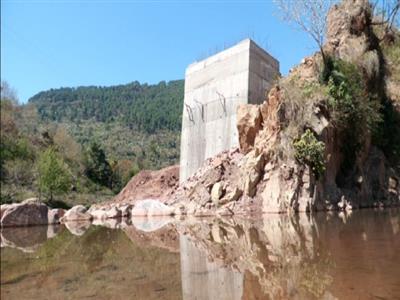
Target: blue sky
pixel 49 44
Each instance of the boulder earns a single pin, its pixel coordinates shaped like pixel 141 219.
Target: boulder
pixel 216 192
pixel 54 215
pixel 211 176
pixel 97 214
pixel 232 194
pixel 76 213
pixel 249 122
pixel 24 214
pixel 253 172
pixel 113 213
pixel 110 212
pixel 200 194
pixel 4 207
pixel 151 207
pixel 125 210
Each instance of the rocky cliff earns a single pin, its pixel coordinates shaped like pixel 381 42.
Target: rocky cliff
pixel 327 136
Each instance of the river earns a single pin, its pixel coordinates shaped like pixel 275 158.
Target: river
pixel 324 256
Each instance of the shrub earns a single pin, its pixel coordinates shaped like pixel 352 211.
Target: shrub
pixel 310 151
pixel 350 99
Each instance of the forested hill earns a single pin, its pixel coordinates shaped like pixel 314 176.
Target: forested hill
pixel 146 108
pixel 97 137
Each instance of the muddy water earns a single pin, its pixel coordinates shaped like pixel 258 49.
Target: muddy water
pixel 335 256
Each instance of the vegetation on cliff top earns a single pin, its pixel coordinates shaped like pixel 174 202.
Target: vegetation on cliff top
pixel 361 110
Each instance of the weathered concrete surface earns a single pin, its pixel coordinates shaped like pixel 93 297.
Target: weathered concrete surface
pixel 214 87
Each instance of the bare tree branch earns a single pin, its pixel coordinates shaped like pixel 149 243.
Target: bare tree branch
pixel 307 15
pixel 387 14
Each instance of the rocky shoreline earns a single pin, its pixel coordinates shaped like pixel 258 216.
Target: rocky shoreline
pixel 32 212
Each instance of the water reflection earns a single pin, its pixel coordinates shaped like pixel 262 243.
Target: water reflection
pixel 327 256
pixel 27 239
pixel 274 257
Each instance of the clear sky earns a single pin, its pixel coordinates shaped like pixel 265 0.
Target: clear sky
pixel 53 43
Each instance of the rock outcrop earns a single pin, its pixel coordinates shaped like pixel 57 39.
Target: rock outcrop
pixel 249 121
pixel 349 31
pixel 266 176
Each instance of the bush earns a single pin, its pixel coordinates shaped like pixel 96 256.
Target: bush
pixel 310 151
pixel 54 177
pixel 354 109
pixel 350 100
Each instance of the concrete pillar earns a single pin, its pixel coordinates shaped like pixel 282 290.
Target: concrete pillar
pixel 214 87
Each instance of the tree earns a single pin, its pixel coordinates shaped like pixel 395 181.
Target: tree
pixel 54 177
pixel 97 168
pixel 67 146
pixel 8 93
pixel 308 15
pixel 12 145
pixel 386 15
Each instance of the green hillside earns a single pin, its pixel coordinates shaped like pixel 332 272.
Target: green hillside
pixel 136 122
pixel 144 107
pixel 100 137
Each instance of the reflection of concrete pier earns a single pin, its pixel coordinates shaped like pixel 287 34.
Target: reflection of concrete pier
pixel 202 279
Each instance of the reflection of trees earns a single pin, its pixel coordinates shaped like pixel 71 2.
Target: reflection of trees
pixel 102 263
